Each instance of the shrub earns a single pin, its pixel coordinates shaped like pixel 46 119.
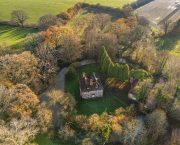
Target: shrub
pixel 47 21
pixel 164 101
pixel 142 93
pixel 72 73
pixel 142 89
pixel 65 101
pixel 139 74
pixel 65 16
pixel 134 132
pixel 67 133
pixel 156 124
pixel 33 40
pixel 44 117
pixel 4 49
pixel 70 13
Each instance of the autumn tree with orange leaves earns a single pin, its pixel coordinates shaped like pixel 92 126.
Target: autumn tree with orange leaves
pixel 20 102
pixel 65 41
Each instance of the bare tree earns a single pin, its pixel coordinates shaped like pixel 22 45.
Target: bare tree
pixel 44 118
pixel 156 124
pixel 100 21
pixel 70 49
pixel 33 40
pixel 48 20
pixel 18 132
pixel 127 10
pixel 19 17
pixel 5 97
pixel 134 132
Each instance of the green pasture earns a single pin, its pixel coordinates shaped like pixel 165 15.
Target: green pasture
pixel 37 8
pixel 13 36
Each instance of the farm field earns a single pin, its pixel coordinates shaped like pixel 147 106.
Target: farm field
pixel 13 36
pixel 37 8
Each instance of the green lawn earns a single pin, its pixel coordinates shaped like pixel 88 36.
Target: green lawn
pixel 108 103
pixel 172 44
pixel 45 140
pixel 13 36
pixel 37 8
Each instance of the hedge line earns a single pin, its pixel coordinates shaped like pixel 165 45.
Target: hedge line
pixel 117 70
pixel 111 69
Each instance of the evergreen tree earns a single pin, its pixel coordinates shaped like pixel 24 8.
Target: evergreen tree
pixel 114 70
pixel 110 69
pixel 101 55
pixel 119 73
pixel 125 72
pixel 106 63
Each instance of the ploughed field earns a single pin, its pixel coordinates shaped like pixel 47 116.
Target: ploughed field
pixel 37 8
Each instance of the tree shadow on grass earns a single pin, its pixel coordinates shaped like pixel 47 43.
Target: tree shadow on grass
pixel 168 42
pixel 97 9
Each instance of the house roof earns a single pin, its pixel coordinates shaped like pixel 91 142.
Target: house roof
pixel 90 83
